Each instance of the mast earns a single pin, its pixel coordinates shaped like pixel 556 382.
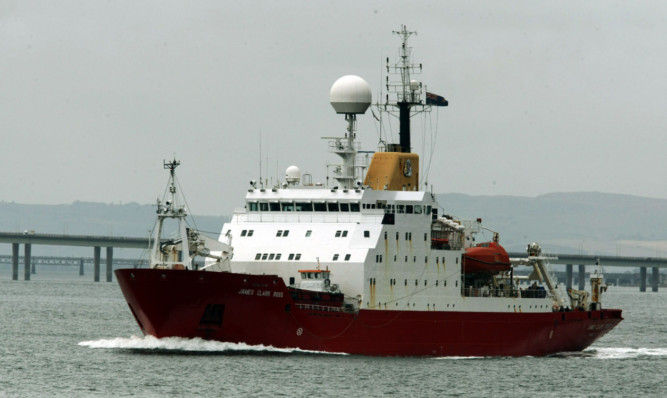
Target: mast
pixel 175 251
pixel 404 94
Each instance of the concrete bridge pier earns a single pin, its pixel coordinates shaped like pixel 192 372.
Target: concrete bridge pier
pixel 81 268
pixel 26 261
pixel 582 276
pixel 15 261
pixel 109 263
pixel 642 279
pixel 656 279
pixel 96 263
pixel 568 277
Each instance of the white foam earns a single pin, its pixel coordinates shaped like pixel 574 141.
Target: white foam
pixel 626 352
pixel 184 345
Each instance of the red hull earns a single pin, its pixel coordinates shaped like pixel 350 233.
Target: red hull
pixel 258 309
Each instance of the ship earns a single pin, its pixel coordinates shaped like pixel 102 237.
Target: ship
pixel 368 264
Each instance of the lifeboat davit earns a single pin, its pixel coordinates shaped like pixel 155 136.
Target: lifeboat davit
pixel 487 258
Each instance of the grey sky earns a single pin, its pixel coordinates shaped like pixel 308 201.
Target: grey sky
pixel 544 96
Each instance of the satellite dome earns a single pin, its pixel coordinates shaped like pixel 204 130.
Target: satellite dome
pixel 350 94
pixel 292 175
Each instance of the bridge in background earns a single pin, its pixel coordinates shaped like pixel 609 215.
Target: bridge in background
pixel 30 238
pixel 655 263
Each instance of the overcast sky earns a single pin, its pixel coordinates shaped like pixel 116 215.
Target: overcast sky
pixel 548 96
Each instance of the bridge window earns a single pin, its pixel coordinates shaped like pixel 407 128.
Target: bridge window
pixel 304 206
pixel 252 206
pixel 244 232
pixel 332 206
pixel 265 256
pixel 272 256
pixel 274 206
pixel 298 256
pixel 250 232
pixel 320 206
pixel 263 206
pixel 354 206
pixel 287 206
pixel 344 207
pixel 347 257
pixel 258 256
pixel 291 256
pixel 418 209
pixel 408 209
pixel 335 257
pixel 278 256
pixel 400 209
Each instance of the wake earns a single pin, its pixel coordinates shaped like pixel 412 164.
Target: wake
pixel 183 345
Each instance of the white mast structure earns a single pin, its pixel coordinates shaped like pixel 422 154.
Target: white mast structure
pixel 350 95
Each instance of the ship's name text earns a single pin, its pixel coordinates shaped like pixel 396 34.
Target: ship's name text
pixel 260 293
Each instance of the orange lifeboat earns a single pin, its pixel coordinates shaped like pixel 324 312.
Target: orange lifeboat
pixel 486 258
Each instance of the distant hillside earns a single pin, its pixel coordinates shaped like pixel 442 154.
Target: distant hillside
pixel 585 222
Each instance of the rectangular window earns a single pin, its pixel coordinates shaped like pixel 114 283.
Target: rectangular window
pixel 344 207
pixel 287 206
pixel 367 234
pixel 252 206
pixel 344 234
pixel 320 206
pixel 265 256
pixel 274 206
pixel 338 234
pixel 400 209
pixel 258 256
pixel 279 233
pixel 304 206
pixel 354 206
pixel 335 257
pixel 244 232
pixel 278 256
pixel 298 256
pixel 408 209
pixel 285 233
pixel 347 257
pixel 272 256
pixel 308 233
pixel 250 232
pixel 263 206
pixel 291 256
pixel 418 209
pixel 332 206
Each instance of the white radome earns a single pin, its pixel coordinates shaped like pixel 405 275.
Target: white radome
pixel 350 94
pixel 293 174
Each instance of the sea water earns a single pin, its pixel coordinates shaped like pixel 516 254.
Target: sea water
pixel 66 336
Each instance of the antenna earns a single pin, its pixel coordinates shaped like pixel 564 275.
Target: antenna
pixel 261 182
